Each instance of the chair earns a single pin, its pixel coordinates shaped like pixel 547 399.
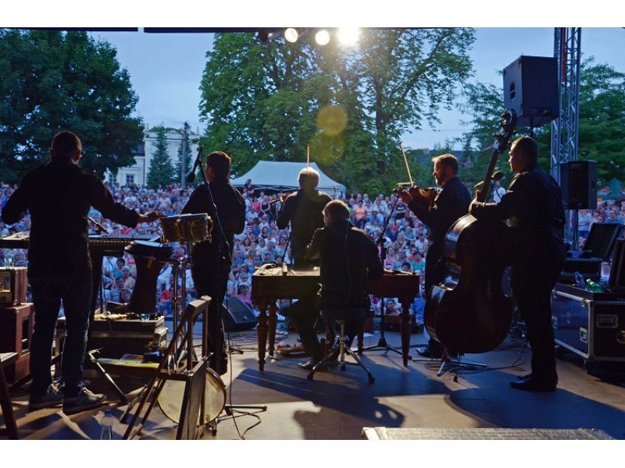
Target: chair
pixel 341 347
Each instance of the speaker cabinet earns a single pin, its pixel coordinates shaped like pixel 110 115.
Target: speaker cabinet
pixel 237 315
pixel 578 180
pixel 531 90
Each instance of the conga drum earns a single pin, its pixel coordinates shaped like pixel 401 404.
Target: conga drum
pixel 150 257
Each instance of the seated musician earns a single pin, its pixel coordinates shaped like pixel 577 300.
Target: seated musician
pixel 348 257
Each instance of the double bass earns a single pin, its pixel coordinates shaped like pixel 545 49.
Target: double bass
pixel 469 312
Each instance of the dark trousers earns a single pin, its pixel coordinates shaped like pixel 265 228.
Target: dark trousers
pixel 531 286
pixel 74 289
pixel 303 315
pixel 213 282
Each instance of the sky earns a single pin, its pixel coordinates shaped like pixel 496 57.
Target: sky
pixel 166 69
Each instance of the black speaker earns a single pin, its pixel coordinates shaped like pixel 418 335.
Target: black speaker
pixel 578 180
pixel 237 315
pixel 530 86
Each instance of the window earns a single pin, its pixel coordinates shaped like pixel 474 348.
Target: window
pixel 130 179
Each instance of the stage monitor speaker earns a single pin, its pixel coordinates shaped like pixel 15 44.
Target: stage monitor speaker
pixel 578 180
pixel 237 315
pixel 530 87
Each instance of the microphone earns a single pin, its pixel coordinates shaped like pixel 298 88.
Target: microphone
pixel 198 158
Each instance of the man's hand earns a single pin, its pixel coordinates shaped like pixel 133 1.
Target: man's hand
pixel 405 196
pixel 150 217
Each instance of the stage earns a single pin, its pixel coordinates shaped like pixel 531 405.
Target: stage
pixel 337 405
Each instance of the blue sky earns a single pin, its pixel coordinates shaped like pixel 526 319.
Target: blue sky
pixel 166 69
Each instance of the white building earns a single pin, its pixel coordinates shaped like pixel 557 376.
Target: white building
pixel 138 173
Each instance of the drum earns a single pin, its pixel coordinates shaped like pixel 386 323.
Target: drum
pixel 195 227
pixel 150 257
pixel 171 229
pixel 187 228
pixel 170 398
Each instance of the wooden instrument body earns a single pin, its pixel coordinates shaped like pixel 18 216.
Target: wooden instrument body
pixel 469 312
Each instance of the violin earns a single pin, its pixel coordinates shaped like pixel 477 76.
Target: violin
pixel 422 196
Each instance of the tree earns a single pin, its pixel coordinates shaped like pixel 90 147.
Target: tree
pixel 601 123
pixel 183 163
pixel 52 81
pixel 271 101
pixel 602 119
pixel 161 172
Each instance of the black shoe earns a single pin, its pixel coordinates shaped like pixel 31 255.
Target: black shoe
pixel 533 385
pixel 430 353
pixel 308 365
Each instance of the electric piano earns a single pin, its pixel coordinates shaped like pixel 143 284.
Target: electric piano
pixel 99 247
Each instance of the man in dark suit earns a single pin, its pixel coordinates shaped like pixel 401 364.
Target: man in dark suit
pixel 532 208
pixel 58 196
pixel 212 260
pixel 451 203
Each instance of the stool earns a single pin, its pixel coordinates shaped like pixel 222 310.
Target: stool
pixel 5 399
pixel 339 349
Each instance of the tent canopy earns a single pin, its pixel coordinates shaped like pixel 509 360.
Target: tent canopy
pixel 282 176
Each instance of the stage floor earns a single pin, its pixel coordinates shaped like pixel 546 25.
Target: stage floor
pixel 338 405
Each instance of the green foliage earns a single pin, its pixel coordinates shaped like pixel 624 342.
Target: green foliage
pixel 349 106
pixel 601 123
pixel 161 172
pixel 53 81
pixel 602 119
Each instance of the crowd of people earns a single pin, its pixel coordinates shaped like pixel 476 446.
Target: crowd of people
pixel 261 242
pixel 405 237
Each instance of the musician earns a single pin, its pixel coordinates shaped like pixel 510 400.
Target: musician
pixel 212 261
pixel 451 203
pixel 58 196
pixel 532 207
pixel 348 257
pixel 303 210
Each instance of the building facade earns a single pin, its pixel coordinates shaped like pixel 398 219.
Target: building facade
pixel 137 174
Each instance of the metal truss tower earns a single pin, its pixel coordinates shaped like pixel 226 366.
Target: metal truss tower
pixel 565 129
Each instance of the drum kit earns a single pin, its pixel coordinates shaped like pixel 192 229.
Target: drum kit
pixel 150 258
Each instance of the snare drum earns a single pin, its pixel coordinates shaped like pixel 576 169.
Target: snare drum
pixel 195 227
pixel 171 229
pixel 171 395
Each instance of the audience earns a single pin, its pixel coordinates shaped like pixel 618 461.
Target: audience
pixel 405 240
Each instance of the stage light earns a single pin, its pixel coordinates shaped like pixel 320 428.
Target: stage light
pixel 291 34
pixel 348 36
pixel 322 37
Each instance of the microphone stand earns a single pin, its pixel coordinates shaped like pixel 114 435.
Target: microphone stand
pixel 382 344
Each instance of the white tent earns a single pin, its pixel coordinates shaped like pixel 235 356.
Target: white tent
pixel 282 175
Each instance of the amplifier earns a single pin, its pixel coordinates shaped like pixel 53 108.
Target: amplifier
pixel 16 331
pixel 119 337
pixel 13 285
pixel 591 325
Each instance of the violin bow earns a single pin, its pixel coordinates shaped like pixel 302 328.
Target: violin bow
pixel 407 167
